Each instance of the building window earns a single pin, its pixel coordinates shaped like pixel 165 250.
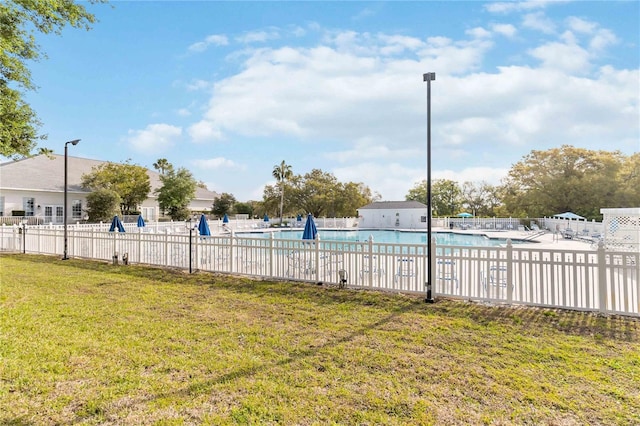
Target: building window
pixel 76 209
pixel 28 205
pixel 423 219
pixel 1 206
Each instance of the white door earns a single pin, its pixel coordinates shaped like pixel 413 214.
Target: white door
pixel 53 214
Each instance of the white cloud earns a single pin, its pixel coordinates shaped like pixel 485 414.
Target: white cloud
pixel 216 40
pixel 478 32
pixel 217 163
pixel 519 6
pixel 258 36
pixel 184 112
pixel 506 30
pixel 568 57
pixel 357 93
pixel 156 137
pixel 204 131
pixel 580 25
pixel 602 39
pixel 196 85
pixel 538 21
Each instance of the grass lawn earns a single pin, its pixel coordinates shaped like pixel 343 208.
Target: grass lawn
pixel 91 343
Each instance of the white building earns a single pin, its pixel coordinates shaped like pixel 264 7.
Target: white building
pixel 35 185
pixel 393 214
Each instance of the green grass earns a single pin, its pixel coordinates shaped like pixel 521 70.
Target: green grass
pixel 91 343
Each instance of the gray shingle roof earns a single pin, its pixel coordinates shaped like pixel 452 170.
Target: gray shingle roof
pixel 394 205
pixel 43 173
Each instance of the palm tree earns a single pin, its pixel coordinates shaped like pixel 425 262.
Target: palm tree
pixel 282 172
pixel 162 166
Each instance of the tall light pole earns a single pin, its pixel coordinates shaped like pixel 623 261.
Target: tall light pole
pixel 429 77
pixel 64 209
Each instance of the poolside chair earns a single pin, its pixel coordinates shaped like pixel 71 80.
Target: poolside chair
pixel 446 271
pixel 496 276
pixel 299 264
pixel 405 268
pixel 370 264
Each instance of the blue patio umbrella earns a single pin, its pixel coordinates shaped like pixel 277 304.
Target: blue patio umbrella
pixel 310 230
pixel 116 223
pixel 203 227
pixel 266 218
pixel 141 223
pixel 464 214
pixel 299 218
pixel 225 219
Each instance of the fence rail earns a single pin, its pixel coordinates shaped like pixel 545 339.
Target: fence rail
pixel 599 280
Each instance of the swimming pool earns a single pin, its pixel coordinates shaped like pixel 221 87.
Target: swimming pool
pixel 389 236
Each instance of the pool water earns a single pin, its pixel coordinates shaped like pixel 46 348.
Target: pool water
pixel 397 237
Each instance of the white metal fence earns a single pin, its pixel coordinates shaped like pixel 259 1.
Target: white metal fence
pixel 597 280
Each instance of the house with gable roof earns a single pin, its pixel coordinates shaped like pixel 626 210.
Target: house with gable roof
pixel 35 185
pixel 393 214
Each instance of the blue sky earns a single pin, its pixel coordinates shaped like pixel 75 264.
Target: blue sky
pixel 230 89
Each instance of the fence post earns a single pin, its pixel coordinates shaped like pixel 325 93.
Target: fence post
pixel 602 277
pixel 372 262
pixel 271 254
pixel 509 271
pixel 317 256
pixel 139 260
pixel 432 277
pixel 232 237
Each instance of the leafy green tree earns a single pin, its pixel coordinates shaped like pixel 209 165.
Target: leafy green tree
pixel 102 205
pixel 20 21
pixel 177 190
pixel 129 181
pixel 270 200
pixel 563 179
pixel 445 196
pixel 350 197
pixel 318 193
pixel 629 182
pixel 314 192
pixel 282 173
pixel 480 198
pixel 225 203
pixel 244 208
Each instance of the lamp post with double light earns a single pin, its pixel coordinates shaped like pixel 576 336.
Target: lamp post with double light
pixel 64 209
pixel 429 77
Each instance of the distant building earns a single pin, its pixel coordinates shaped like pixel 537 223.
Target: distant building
pixel 35 185
pixel 393 214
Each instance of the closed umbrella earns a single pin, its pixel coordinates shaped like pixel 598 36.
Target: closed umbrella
pixel 141 223
pixel 310 230
pixel 266 218
pixel 116 224
pixel 225 219
pixel 203 227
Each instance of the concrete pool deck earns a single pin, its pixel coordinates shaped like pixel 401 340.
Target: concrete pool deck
pixel 547 240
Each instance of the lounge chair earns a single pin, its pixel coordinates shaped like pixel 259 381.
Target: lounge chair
pixel 496 276
pixel 446 271
pixel 405 268
pixel 370 264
